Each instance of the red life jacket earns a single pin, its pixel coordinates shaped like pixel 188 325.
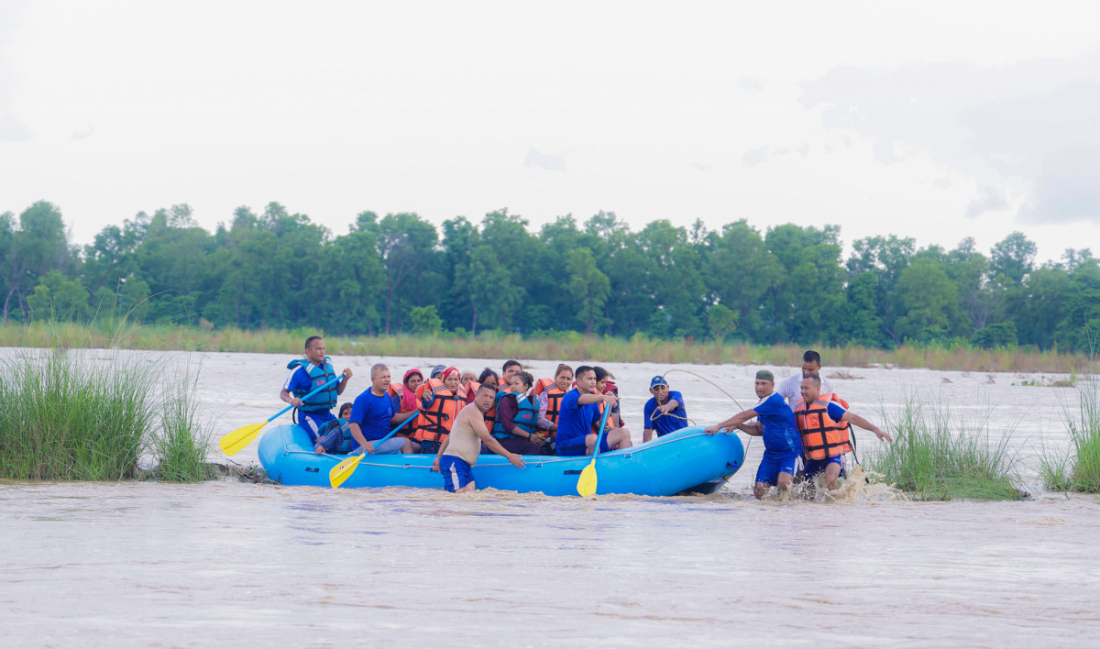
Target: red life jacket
pixel 821 436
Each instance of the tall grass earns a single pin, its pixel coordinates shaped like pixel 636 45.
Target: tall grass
pixel 181 441
pixel 66 416
pixel 570 346
pixel 940 454
pixel 1079 468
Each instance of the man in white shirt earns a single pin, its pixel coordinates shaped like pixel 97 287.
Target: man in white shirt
pixel 791 387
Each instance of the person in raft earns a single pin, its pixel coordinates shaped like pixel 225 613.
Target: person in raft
pixel 459 451
pixel 373 416
pixel 579 421
pixel 775 423
pixel 404 400
pixel 306 376
pixel 824 427
pixel 791 387
pixel 604 385
pixel 336 435
pixel 440 402
pixel 665 412
pixel 550 393
pixel 516 426
pixel 466 379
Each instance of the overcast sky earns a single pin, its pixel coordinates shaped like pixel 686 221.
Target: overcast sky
pixel 931 120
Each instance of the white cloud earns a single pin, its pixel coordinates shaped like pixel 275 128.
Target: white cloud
pixel 544 161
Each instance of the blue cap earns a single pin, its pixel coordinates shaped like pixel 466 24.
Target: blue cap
pixel 657 380
pixel 437 370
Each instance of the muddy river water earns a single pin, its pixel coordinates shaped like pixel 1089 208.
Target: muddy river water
pixel 227 563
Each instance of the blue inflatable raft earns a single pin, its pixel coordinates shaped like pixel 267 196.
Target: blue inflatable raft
pixel 687 460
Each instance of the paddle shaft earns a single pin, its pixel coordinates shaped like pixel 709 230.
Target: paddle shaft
pixel 334 380
pixel 599 437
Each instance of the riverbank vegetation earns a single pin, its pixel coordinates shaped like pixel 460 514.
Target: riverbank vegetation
pixel 572 346
pixel 67 416
pixel 1077 469
pixel 734 286
pixel 942 453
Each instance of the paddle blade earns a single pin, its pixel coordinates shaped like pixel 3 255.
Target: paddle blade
pixel 343 471
pixel 235 442
pixel 586 486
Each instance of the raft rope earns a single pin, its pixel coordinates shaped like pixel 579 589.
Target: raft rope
pixel 720 389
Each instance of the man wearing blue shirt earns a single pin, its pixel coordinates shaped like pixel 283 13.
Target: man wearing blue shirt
pixel 775 423
pixel 665 412
pixel 579 419
pixel 822 415
pixel 308 375
pixel 372 416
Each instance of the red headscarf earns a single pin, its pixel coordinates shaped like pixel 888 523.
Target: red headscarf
pixel 408 397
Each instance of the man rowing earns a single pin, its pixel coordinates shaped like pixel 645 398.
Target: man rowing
pixel 579 421
pixel 372 416
pixel 309 374
pixel 775 423
pixel 459 451
pixel 823 425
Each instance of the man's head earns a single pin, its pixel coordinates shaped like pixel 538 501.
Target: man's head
pixel 485 397
pixel 586 379
pixel 509 370
pixel 315 350
pixel 765 383
pixel 451 379
pixel 811 362
pixel 658 387
pixel 811 387
pixel 379 379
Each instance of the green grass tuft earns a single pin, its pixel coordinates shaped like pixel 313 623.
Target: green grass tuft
pixel 938 454
pixel 1079 469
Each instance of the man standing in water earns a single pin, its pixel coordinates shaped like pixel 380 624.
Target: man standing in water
pixel 307 376
pixel 791 387
pixel 775 423
pixel 372 415
pixel 579 420
pixel 459 452
pixel 823 425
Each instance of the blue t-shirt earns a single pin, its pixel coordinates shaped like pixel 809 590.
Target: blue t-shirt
pixel 373 414
pixel 575 420
pixel 836 411
pixel 665 424
pixel 778 424
pixel 299 381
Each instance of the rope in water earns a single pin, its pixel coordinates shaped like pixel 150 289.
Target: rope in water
pixel 720 389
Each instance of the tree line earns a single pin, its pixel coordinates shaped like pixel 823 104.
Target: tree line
pixel 399 273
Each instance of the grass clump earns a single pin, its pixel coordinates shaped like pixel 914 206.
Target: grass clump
pixel 1079 469
pixel 68 416
pixel 939 454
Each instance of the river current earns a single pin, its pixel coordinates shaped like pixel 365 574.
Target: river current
pixel 231 563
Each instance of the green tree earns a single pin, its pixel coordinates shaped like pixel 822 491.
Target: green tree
pixel 58 298
pixel 722 322
pixel 426 320
pixel 929 301
pixel 487 286
pixel 589 287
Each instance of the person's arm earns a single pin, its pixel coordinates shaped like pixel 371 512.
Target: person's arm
pixel 482 431
pixel 853 418
pixel 289 398
pixel 672 404
pixel 343 382
pixel 586 399
pixel 732 422
pixel 357 434
pixel 401 417
pixel 507 410
pixel 752 428
pixel 442 447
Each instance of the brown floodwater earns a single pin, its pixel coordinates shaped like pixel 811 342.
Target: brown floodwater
pixel 228 563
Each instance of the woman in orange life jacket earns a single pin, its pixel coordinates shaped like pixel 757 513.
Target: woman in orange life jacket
pixel 466 379
pixel 823 425
pixel 550 393
pixel 440 403
pixel 516 425
pixel 404 400
pixel 604 385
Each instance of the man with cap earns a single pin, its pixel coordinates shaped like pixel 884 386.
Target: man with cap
pixel 776 424
pixel 791 387
pixel 665 412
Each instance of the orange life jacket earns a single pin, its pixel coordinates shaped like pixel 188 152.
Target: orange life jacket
pixel 471 391
pixel 554 395
pixel 433 424
pixel 821 436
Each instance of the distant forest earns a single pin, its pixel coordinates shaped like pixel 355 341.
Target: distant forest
pixel 399 273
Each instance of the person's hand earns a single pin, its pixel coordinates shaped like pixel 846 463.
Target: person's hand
pixel 369 448
pixel 296 402
pixel 320 450
pixel 516 460
pixel 610 400
pixel 553 428
pixel 883 436
pixel 435 465
pixel 666 408
pixel 712 430
pixel 347 373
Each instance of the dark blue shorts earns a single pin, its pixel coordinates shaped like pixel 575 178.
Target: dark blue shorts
pixel 775 462
pixel 582 448
pixel 456 472
pixel 814 467
pixel 314 422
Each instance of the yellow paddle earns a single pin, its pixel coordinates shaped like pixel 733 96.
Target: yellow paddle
pixel 235 442
pixel 346 467
pixel 586 486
